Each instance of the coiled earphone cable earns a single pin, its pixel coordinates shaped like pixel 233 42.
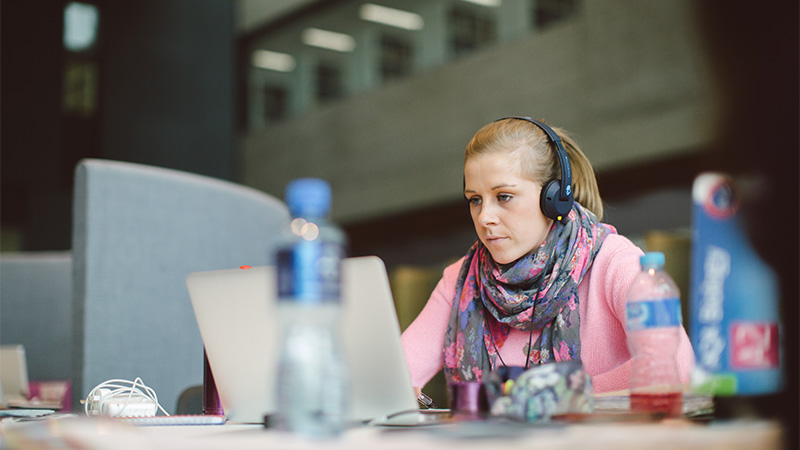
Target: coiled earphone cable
pixel 118 389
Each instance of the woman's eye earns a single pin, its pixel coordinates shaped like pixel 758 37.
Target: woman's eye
pixel 474 201
pixel 503 197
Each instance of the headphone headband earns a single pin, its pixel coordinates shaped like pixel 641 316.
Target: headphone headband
pixel 557 197
pixel 565 190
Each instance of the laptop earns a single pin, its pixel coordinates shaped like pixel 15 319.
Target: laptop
pixel 14 385
pixel 238 320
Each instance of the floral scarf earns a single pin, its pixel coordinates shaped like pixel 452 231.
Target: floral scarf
pixel 492 298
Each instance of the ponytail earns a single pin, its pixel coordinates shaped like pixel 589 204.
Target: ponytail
pixel 584 181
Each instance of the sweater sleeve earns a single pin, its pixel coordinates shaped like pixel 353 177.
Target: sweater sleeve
pixel 614 269
pixel 423 340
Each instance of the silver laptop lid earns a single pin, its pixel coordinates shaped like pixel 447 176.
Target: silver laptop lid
pixel 14 384
pixel 236 313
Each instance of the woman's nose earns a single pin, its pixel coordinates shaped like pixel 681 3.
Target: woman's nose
pixel 486 216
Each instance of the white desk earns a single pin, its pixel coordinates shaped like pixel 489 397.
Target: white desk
pixel 670 434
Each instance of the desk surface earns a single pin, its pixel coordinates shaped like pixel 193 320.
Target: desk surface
pixel 88 433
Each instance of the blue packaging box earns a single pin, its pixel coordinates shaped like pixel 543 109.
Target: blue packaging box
pixel 734 322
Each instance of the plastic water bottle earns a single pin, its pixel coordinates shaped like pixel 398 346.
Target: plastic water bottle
pixel 653 322
pixel 312 373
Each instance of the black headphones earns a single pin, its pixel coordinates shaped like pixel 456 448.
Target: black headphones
pixel 557 197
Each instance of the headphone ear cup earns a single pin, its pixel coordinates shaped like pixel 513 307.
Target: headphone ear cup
pixel 550 203
pixel 548 199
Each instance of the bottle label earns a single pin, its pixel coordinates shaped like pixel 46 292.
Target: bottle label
pixel 648 314
pixel 754 345
pixel 310 271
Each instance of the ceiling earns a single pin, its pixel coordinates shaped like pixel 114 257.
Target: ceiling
pixel 252 14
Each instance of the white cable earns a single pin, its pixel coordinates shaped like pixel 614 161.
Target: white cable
pixel 116 389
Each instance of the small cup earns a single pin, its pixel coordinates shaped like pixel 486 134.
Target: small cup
pixel 469 400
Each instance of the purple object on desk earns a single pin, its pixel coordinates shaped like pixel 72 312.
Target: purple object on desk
pixel 211 404
pixel 469 399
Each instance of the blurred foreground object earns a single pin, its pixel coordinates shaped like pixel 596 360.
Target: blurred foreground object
pixel 734 305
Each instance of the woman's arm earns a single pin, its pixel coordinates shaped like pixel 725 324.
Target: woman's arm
pixel 620 267
pixel 423 340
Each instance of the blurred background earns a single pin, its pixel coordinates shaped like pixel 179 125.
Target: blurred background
pixel 377 98
pixel 380 98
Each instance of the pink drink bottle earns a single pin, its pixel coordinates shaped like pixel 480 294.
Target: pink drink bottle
pixel 653 323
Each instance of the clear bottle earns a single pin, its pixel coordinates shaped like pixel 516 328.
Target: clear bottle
pixel 312 373
pixel 653 322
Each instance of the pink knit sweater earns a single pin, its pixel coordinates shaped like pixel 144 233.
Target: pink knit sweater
pixel 604 350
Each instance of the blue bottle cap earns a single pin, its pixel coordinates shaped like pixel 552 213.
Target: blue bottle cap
pixel 308 196
pixel 652 259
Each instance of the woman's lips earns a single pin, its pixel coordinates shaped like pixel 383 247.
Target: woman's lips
pixel 494 239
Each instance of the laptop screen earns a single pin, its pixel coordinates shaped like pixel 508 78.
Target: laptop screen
pixel 236 311
pixel 13 374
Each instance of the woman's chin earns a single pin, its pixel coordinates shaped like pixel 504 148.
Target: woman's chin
pixel 506 258
pixel 503 258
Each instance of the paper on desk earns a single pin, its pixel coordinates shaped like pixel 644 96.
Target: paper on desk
pixel 25 412
pixel 620 401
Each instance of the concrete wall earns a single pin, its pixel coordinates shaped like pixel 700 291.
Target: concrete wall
pixel 628 79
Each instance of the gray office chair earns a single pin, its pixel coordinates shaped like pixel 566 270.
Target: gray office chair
pixel 190 401
pixel 138 231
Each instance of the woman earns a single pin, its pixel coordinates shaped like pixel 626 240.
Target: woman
pixel 533 289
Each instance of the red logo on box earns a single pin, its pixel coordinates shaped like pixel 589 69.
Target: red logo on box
pixel 754 345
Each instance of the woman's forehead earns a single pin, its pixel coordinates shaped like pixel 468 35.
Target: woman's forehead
pixel 510 162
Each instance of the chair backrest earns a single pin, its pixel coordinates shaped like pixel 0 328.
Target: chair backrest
pixel 36 310
pixel 138 231
pixel 190 401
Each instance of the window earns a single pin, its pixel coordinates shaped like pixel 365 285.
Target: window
pixel 80 76
pixel 329 82
pixel 80 26
pixel 396 58
pixel 80 87
pixel 548 12
pixel 275 103
pixel 468 30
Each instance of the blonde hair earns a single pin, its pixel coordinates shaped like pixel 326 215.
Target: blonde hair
pixel 537 158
